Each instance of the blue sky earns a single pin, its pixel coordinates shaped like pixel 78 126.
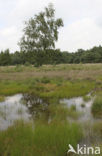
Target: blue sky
pixel 82 22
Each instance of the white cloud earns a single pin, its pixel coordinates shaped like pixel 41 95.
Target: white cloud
pixel 82 18
pixel 9 38
pixel 84 33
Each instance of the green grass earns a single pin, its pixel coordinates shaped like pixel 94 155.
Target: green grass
pixel 12 87
pixel 60 112
pixel 86 98
pixel 52 83
pixel 2 98
pixel 51 88
pixel 55 137
pixel 70 89
pixel 43 140
pixel 97 107
pixel 73 107
pixel 97 128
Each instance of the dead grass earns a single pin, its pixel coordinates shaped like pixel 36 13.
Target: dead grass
pixel 70 72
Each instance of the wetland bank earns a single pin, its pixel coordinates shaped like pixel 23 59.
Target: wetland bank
pixel 43 110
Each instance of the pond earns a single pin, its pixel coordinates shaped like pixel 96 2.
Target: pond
pixel 86 118
pixel 28 107
pixel 20 106
pixel 12 109
pixel 81 106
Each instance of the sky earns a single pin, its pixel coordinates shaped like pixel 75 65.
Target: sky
pixel 82 22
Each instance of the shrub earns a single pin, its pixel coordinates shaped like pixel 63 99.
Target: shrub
pixel 27 64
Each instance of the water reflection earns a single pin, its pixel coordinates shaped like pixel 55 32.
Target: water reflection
pixel 12 109
pixel 81 106
pixel 29 106
pixel 37 106
pixel 22 106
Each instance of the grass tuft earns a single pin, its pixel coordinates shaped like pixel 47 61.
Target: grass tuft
pixel 2 98
pixel 97 107
pixel 43 140
pixel 86 98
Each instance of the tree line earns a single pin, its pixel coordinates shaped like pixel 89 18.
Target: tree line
pixel 37 45
pixel 52 56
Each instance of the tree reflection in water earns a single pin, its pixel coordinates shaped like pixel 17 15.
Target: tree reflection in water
pixel 37 107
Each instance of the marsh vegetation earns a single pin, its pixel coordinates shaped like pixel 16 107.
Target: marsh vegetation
pixel 44 109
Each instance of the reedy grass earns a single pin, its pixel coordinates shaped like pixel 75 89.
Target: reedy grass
pixel 42 140
pixel 97 107
pixel 2 98
pixel 2 114
pixel 41 137
pixel 20 111
pixel 56 137
pixel 97 128
pixel 73 107
pixel 86 98
pixel 60 112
